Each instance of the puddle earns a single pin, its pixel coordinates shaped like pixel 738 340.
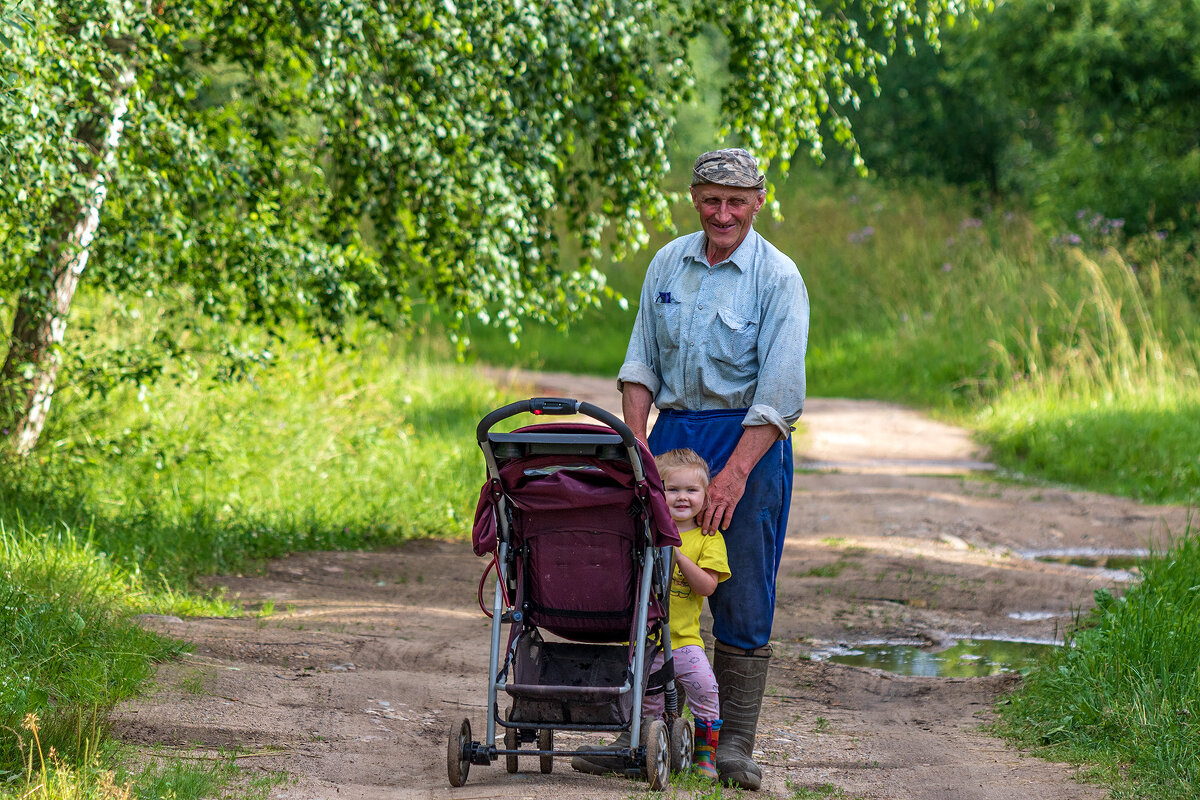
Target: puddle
pixel 1118 565
pixel 1035 616
pixel 967 658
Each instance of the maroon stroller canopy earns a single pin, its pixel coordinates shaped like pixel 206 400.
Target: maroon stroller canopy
pixel 571 483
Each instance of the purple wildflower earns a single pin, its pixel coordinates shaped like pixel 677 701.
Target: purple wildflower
pixel 858 237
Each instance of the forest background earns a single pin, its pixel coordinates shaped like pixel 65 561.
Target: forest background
pixel 249 253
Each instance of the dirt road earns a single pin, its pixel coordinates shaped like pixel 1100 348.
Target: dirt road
pixel 352 685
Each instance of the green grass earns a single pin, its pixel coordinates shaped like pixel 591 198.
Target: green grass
pixel 1135 445
pixel 165 776
pixel 1125 696
pixel 67 649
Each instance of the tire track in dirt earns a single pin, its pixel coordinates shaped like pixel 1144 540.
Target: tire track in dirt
pixel 353 685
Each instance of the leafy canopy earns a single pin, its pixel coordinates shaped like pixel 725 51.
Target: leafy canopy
pixel 286 159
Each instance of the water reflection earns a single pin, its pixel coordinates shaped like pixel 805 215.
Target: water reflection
pixel 968 658
pixel 1117 561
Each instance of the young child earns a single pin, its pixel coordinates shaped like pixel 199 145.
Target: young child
pixel 700 564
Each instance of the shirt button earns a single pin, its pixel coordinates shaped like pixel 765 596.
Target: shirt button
pixel 700 307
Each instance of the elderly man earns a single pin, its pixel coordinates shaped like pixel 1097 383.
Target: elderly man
pixel 718 346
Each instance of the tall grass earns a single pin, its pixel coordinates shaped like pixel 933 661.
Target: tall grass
pixel 1105 404
pixel 1125 692
pixel 67 650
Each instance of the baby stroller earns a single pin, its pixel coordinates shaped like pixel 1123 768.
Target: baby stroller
pixel 574 518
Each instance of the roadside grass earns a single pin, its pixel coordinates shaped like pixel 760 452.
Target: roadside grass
pixel 1124 696
pixel 48 777
pixel 68 651
pixel 191 778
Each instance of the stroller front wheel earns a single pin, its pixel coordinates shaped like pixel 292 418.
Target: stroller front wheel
pixel 657 767
pixel 458 760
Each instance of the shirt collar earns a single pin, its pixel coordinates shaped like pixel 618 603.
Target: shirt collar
pixel 742 257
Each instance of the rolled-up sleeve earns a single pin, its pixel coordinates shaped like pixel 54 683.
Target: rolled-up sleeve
pixel 641 358
pixel 783 342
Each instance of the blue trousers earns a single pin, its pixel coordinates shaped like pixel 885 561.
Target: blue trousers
pixel 743 607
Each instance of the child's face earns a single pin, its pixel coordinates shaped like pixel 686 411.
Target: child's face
pixel 686 492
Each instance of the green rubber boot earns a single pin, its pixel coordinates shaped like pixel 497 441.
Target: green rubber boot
pixel 742 679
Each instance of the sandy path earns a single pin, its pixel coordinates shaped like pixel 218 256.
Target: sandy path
pixel 353 684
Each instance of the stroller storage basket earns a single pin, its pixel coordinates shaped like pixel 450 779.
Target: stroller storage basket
pixel 569 683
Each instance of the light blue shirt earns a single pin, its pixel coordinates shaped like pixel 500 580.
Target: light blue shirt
pixel 722 336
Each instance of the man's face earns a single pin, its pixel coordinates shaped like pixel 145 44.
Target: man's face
pixel 726 213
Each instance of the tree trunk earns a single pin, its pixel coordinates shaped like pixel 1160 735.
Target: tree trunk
pixel 30 370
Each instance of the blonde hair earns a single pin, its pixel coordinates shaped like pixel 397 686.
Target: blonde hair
pixel 682 458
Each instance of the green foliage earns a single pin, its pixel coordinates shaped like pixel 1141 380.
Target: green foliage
pixel 67 651
pixel 935 118
pixel 1126 690
pixel 296 160
pixel 1093 113
pixel 1107 93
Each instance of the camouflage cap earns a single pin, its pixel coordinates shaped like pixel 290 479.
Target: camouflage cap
pixel 730 167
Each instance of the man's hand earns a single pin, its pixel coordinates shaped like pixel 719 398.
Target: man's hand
pixel 728 486
pixel 723 495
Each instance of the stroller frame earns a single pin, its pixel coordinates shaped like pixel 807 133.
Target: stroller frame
pixel 656 747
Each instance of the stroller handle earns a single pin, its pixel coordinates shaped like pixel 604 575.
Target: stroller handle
pixel 555 405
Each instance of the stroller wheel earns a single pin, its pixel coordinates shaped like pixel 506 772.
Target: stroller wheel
pixel 546 742
pixel 682 743
pixel 657 769
pixel 458 759
pixel 512 741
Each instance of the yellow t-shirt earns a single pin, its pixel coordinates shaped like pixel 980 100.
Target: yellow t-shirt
pixel 709 553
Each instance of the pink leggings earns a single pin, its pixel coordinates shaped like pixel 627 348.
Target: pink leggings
pixel 699 684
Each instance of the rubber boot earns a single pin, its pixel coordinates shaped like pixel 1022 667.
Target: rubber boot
pixel 601 765
pixel 742 678
pixel 704 754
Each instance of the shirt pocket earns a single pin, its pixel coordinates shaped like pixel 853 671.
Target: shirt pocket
pixel 734 344
pixel 666 326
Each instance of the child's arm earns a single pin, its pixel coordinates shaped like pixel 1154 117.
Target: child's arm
pixel 703 581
